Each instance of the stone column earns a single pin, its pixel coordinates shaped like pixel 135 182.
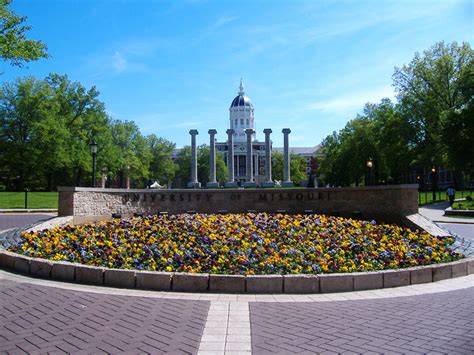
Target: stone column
pixel 268 159
pixel 286 159
pixel 249 161
pixel 230 159
pixel 212 159
pixel 194 179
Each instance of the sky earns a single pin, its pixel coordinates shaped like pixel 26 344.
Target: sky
pixel 172 66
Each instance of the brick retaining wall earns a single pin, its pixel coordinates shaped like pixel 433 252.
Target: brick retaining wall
pixel 195 282
pixel 385 203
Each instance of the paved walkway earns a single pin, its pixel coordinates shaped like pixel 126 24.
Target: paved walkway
pixel 39 316
pixel 435 213
pixel 42 316
pixel 15 220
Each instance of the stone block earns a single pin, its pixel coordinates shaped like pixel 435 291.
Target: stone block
pixel 227 283
pixel 459 268
pixel 336 283
pixel 442 272
pixel 7 260
pixel 396 278
pixel 119 278
pixel 368 280
pixel 264 283
pixel 151 280
pixel 301 284
pixel 62 271
pixel 41 268
pixel 421 275
pixel 22 264
pixel 190 282
pixel 470 265
pixel 89 274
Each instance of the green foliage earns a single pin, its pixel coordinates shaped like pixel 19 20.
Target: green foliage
pixel 435 91
pixel 431 124
pixel 183 161
pixel 162 166
pixel 464 205
pixel 46 127
pixel 297 167
pixel 14 45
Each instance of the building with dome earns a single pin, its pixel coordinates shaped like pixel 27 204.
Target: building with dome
pixel 241 117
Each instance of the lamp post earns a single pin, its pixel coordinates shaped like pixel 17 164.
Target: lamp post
pixel 433 181
pixel 370 165
pixel 93 147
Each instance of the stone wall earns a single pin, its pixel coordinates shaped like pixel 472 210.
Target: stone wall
pixel 384 203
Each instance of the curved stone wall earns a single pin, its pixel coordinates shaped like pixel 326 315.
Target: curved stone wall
pixel 384 203
pixel 188 282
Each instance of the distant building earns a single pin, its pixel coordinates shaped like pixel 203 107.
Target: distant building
pixel 241 117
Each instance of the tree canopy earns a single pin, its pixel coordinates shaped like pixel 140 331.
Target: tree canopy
pixel 430 124
pixel 15 47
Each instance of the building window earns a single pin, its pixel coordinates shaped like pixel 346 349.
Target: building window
pixel 247 121
pixel 236 122
pixel 242 121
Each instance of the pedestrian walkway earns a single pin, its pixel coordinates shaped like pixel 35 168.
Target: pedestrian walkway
pixel 435 213
pixel 45 316
pixel 40 316
pixel 16 220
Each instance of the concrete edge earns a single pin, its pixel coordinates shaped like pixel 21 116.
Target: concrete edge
pixel 194 282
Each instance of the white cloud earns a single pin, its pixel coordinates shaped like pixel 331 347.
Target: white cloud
pixel 352 101
pixel 119 63
pixel 209 31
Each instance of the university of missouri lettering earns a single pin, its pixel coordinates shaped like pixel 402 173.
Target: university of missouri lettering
pixel 160 197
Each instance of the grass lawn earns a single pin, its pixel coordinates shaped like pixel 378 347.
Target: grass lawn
pixel 464 205
pixel 426 197
pixel 35 200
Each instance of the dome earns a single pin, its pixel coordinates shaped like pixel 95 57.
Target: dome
pixel 241 100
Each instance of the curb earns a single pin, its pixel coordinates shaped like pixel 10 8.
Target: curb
pixel 29 210
pixel 190 282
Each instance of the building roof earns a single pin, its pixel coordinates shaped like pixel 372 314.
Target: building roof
pixel 241 100
pixel 300 150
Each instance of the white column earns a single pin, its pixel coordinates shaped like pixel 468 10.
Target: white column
pixel 230 159
pixel 268 159
pixel 286 158
pixel 249 162
pixel 212 159
pixel 194 179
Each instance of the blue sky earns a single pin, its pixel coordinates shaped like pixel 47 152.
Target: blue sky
pixel 175 65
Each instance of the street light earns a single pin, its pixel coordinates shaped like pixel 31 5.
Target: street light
pixel 433 181
pixel 93 147
pixel 370 165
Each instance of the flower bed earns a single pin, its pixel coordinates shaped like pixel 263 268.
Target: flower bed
pixel 239 244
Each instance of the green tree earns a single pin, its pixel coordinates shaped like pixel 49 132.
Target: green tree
pixel 162 166
pixel 183 161
pixel 458 127
pixel 25 114
pixel 45 130
pixel 297 168
pixel 430 90
pixel 132 155
pixel 14 45
pixel 82 115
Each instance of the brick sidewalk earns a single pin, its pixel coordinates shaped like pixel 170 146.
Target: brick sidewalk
pixel 38 316
pixel 39 319
pixel 434 323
